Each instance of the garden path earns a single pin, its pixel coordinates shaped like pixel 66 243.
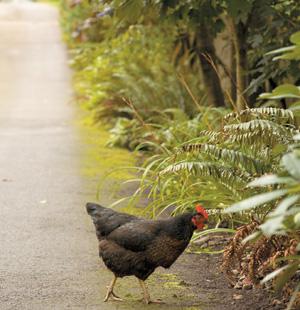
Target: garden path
pixel 48 248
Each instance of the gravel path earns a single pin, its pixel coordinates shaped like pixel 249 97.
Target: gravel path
pixel 48 255
pixel 48 247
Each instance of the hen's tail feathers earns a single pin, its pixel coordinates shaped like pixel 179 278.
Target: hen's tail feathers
pixel 92 208
pixel 107 220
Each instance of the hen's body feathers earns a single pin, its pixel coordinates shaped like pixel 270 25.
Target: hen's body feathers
pixel 130 245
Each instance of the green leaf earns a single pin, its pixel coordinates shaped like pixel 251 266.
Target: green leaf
pixel 227 155
pixel 279 149
pixel 295 38
pixel 178 114
pixel 256 201
pixel 273 274
pixel 264 111
pixel 297 219
pixel 284 277
pixel 252 238
pixel 284 205
pixel 130 10
pixel 282 91
pixel 269 179
pixel 294 54
pixel 281 50
pixel 272 225
pixel 276 217
pixel 292 164
pixel 212 231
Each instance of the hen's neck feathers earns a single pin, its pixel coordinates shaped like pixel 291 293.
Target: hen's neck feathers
pixel 180 227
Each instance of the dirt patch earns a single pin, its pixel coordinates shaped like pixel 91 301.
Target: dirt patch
pixel 201 274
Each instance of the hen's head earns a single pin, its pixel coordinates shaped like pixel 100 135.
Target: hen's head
pixel 200 217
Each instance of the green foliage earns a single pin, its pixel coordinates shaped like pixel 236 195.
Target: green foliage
pixel 262 25
pixel 286 90
pixel 271 24
pixel 164 131
pixel 282 189
pixel 285 185
pixel 216 166
pixel 134 65
pixel 284 219
pixel 124 53
pixel 283 91
pixel 290 52
pixel 80 23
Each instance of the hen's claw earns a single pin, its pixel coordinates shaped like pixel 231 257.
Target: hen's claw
pixel 116 297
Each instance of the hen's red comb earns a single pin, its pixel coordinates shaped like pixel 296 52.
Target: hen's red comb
pixel 201 210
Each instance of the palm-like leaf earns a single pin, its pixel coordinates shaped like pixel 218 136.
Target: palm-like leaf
pixel 281 115
pixel 209 169
pixel 235 158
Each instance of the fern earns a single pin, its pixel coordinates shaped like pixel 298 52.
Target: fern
pixel 236 158
pixel 216 165
pixel 254 132
pixel 211 136
pixel 257 140
pixel 208 169
pixel 269 112
pixel 263 126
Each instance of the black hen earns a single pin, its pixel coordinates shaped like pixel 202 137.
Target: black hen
pixel 132 246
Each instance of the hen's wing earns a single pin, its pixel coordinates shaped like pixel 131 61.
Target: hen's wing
pixel 150 237
pixel 136 235
pixel 107 220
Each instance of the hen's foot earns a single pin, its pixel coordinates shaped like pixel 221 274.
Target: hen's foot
pixel 110 291
pixel 113 296
pixel 146 294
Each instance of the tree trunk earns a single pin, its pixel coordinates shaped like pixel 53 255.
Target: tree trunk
pixel 232 72
pixel 210 77
pixel 239 32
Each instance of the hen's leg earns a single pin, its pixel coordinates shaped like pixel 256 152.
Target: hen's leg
pixel 110 291
pixel 147 295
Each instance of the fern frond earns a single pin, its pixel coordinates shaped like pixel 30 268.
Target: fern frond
pixel 236 195
pixel 256 139
pixel 208 169
pixel 237 158
pixel 255 132
pixel 212 136
pixel 264 127
pixel 266 111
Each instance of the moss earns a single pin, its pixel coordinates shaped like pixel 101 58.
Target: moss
pixel 104 168
pixel 170 281
pixel 101 159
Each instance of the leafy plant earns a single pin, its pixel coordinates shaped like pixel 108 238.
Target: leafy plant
pixel 81 21
pixel 252 28
pixel 216 165
pixel 135 66
pixel 283 222
pixel 280 194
